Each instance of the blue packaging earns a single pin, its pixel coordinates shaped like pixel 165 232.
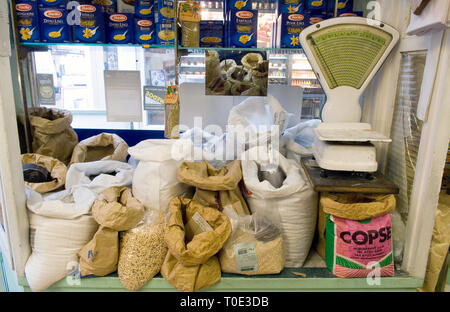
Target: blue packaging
pixel 353 13
pixel 237 5
pixel 27 20
pixel 317 5
pixel 343 6
pixel 243 29
pixel 53 25
pixel 165 33
pixel 211 34
pixel 120 28
pixel 92 24
pixel 165 11
pixel 315 17
pixel 144 31
pixel 108 6
pixel 289 27
pixel 52 3
pixel 144 8
pixel 291 6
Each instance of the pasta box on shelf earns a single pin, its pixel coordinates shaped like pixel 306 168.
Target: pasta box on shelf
pixel 239 5
pixel 144 30
pixel 243 29
pixel 144 8
pixel 120 28
pixel 92 24
pixel 317 5
pixel 166 11
pixel 125 6
pixel 108 6
pixel 165 33
pixel 27 20
pixel 291 6
pixel 354 13
pixel 211 34
pixel 52 3
pixel 53 25
pixel 289 27
pixel 343 6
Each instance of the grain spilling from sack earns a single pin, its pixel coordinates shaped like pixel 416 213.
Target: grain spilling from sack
pixel 141 255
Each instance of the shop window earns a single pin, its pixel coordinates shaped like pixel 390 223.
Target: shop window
pixel 77 75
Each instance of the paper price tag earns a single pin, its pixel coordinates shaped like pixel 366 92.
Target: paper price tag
pixel 245 256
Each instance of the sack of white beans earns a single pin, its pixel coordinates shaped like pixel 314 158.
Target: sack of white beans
pixel 287 199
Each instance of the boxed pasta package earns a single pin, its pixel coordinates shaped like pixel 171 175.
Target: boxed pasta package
pixel 211 34
pixel 53 24
pixel 144 8
pixel 108 6
pixel 291 6
pixel 243 28
pixel 165 11
pixel 27 20
pixel 289 27
pixel 120 28
pixel 317 5
pixel 165 33
pixel 92 24
pixel 144 30
pixel 52 3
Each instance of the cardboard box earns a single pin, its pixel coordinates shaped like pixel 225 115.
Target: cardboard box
pixel 317 5
pixel 290 6
pixel 165 33
pixel 53 4
pixel 92 24
pixel 144 9
pixel 243 29
pixel 165 11
pixel 211 34
pixel 53 25
pixel 289 27
pixel 120 28
pixel 27 20
pixel 144 30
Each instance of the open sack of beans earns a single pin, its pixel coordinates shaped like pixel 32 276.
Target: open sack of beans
pixel 104 146
pixel 255 246
pixel 278 189
pixel 43 173
pixel 115 210
pixel 194 235
pixel 355 233
pixel 52 132
pixel 215 187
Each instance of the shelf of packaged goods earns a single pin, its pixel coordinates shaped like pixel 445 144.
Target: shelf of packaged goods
pixel 43 44
pixel 309 78
pixel 276 77
pixel 272 50
pixel 317 279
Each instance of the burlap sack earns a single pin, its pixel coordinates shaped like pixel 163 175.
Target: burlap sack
pixel 115 210
pixel 56 168
pixel 353 206
pixel 440 244
pixel 192 265
pixel 52 134
pixel 104 146
pixel 215 187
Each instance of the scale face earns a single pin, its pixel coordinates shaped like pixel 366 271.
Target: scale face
pixel 345 54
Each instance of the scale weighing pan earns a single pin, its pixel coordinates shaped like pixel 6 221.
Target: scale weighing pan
pixel 345 53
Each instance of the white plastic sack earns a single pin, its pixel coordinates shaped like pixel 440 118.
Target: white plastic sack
pixel 294 202
pixel 155 180
pixel 297 140
pixel 255 117
pixel 62 205
pixel 78 175
pixel 55 244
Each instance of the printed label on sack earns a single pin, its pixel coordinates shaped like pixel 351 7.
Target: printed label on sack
pixel 202 222
pixel 245 256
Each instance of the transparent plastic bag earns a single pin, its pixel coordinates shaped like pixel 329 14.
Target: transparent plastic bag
pixel 142 251
pixel 255 246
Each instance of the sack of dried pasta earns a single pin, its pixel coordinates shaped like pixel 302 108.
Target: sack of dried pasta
pixel 142 252
pixel 255 246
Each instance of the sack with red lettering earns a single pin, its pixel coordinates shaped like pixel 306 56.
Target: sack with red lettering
pixel 359 248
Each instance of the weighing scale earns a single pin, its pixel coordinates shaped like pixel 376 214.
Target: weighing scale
pixel 345 54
